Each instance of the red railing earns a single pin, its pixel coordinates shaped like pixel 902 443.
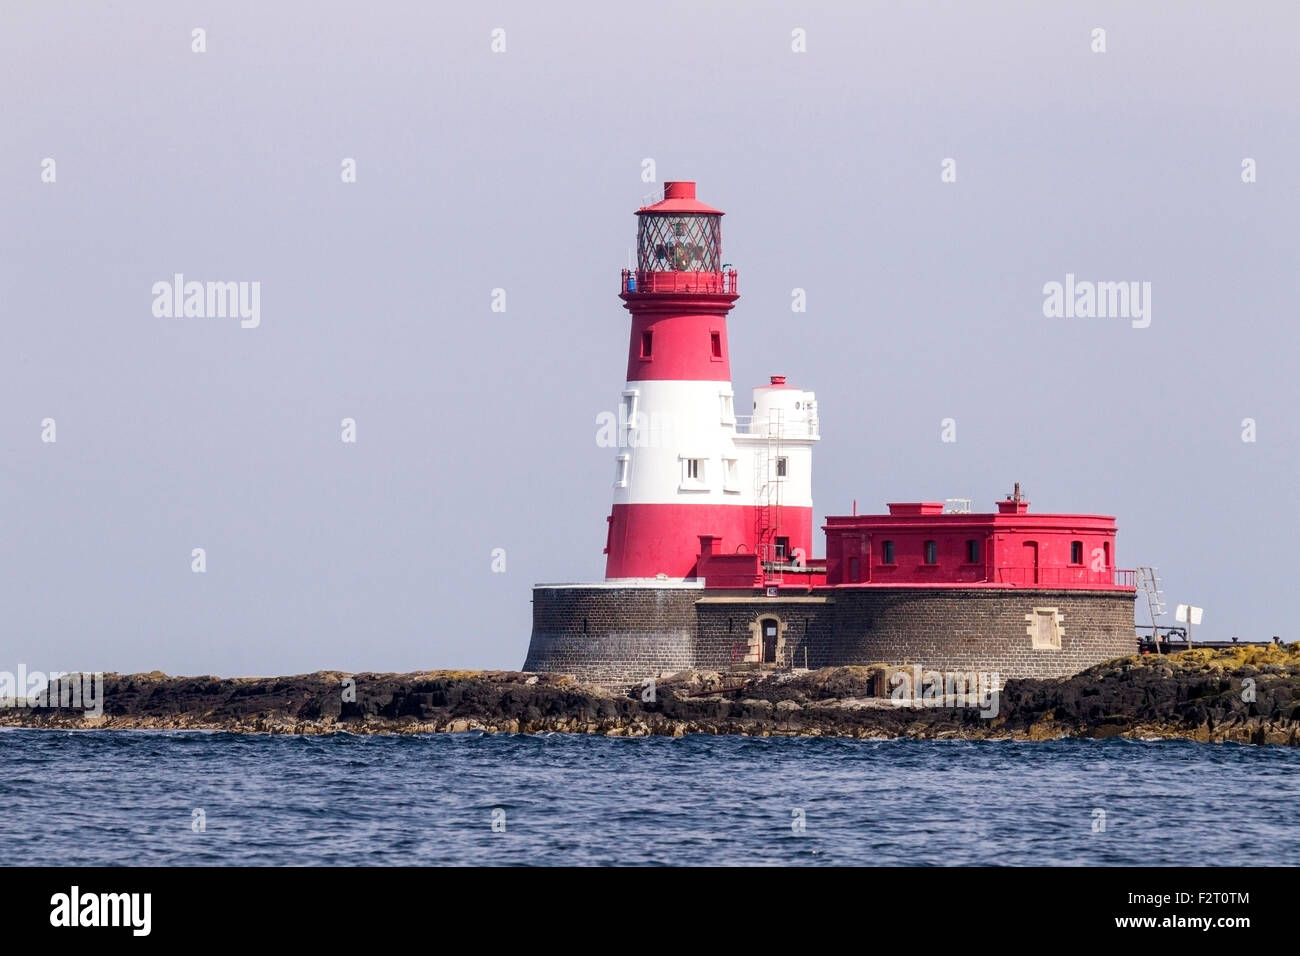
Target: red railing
pixel 639 280
pixel 1067 577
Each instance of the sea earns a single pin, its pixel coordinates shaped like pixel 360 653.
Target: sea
pixel 208 798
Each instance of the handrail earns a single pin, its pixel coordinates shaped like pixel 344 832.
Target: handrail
pixel 636 281
pixel 770 428
pixel 1073 575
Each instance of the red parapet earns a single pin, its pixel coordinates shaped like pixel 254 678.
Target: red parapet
pixel 640 282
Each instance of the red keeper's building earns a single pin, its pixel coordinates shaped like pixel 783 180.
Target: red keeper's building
pixel 918 544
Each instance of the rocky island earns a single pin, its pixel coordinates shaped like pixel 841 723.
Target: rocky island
pixel 1245 695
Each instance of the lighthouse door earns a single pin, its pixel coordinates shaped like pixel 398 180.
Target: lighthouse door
pixel 1031 562
pixel 769 641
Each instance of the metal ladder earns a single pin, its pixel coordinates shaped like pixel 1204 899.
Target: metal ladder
pixel 767 498
pixel 1150 585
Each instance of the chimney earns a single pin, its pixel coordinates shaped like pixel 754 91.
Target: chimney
pixel 1015 503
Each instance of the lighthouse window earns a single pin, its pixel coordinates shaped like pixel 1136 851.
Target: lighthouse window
pixel 620 471
pixel 693 476
pixel 629 422
pixel 887 552
pixel 727 400
pixel 647 344
pixel 972 552
pixel 781 467
pixel 715 344
pixel 730 475
pixel 931 553
pixel 1076 552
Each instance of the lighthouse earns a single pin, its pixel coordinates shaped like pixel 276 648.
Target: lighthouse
pixel 708 547
pixel 695 482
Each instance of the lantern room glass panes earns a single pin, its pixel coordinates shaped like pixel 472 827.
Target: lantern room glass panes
pixel 679 243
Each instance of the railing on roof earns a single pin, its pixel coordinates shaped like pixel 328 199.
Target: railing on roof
pixel 641 280
pixel 768 428
pixel 1069 576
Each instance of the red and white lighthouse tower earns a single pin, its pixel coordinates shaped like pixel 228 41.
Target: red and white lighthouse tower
pixel 687 467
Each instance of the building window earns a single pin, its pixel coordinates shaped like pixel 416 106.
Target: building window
pixel 782 467
pixel 693 475
pixel 715 345
pixel 1076 552
pixel 853 569
pixel 727 400
pixel 647 344
pixel 730 475
pixel 887 552
pixel 1045 628
pixel 620 471
pixel 931 553
pixel 628 424
pixel 972 551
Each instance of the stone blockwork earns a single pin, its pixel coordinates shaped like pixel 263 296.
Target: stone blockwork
pixel 626 634
pixel 612 634
pixel 729 628
pixel 978 629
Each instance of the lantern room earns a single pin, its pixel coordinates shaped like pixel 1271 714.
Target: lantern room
pixel 679 233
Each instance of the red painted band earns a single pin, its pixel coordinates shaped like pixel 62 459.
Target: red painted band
pixel 679 348
pixel 646 540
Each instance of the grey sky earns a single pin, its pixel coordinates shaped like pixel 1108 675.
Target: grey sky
pixel 521 170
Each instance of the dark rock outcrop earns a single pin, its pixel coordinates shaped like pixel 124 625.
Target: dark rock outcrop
pixel 1247 695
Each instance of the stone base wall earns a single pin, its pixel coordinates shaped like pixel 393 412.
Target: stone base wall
pixel 617 635
pixel 980 629
pixel 728 626
pixel 625 635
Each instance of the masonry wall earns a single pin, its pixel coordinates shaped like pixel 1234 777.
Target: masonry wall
pixel 977 629
pixel 604 634
pixel 728 629
pixel 629 634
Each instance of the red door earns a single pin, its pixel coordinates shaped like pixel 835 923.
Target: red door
pixel 1030 554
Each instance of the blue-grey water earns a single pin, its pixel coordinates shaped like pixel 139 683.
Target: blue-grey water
pixel 131 798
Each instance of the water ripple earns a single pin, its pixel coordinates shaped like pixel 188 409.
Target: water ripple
pixel 131 797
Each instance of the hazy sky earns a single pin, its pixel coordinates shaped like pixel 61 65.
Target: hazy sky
pixel 521 170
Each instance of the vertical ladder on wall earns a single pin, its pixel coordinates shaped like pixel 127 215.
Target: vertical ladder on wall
pixel 767 499
pixel 1150 585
